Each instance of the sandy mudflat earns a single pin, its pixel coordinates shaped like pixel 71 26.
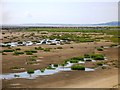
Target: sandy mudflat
pixel 108 82
pixel 98 79
pixel 101 78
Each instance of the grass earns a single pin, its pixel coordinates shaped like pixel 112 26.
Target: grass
pixel 47 49
pixel 97 56
pixel 5 45
pixel 16 75
pixel 62 64
pixel 55 65
pixel 18 53
pixel 101 46
pixel 39 48
pixel 32 58
pixel 29 63
pixel 85 30
pixel 53 44
pixel 42 70
pixel 103 67
pixel 29 53
pixel 49 67
pixel 99 63
pixel 33 51
pixel 86 56
pixel 18 49
pixel 71 37
pixel 78 58
pixel 100 49
pixel 8 50
pixel 77 67
pixel 59 48
pixel 15 67
pixel 94 56
pixel 31 71
pixel 86 38
pixel 74 61
pixel 113 45
pixel 71 47
pixel 66 61
pixel 20 42
pixel 44 49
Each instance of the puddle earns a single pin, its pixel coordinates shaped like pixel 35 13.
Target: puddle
pixel 93 60
pixel 36 63
pixel 34 75
pixel 68 64
pixel 105 65
pixel 89 69
pixel 106 47
pixel 81 62
pixel 38 73
pixel 19 69
pixel 88 59
pixel 38 60
pixel 105 58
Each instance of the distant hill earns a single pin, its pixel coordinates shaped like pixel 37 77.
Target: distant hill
pixel 109 24
pixel 76 25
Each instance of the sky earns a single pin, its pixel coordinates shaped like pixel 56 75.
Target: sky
pixel 59 11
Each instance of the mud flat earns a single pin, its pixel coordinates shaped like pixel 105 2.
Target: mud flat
pixel 16 61
pixel 100 78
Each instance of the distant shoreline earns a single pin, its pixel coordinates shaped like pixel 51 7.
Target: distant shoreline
pixel 108 24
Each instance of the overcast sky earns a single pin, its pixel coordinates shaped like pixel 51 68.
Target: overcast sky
pixel 59 11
